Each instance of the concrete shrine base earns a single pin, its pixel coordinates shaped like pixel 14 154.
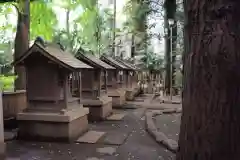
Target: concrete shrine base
pixel 99 109
pixel 65 126
pixel 118 97
pixel 136 91
pixel 130 94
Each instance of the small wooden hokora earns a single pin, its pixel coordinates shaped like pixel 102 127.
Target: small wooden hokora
pixel 51 106
pixel 94 90
pixel 116 80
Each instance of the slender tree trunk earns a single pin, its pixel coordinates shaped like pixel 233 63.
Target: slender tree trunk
pixel 132 45
pixel 170 13
pixel 69 45
pixel 22 43
pixel 210 128
pixel 167 56
pixel 114 27
pixel 174 47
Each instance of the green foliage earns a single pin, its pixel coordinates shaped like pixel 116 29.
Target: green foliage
pixel 7 82
pixel 89 29
pixel 43 20
pixel 138 12
pixel 5 11
pixel 95 29
pixel 5 53
pixel 152 62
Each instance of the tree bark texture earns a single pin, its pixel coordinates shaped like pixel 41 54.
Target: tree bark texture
pixel 210 127
pixel 22 44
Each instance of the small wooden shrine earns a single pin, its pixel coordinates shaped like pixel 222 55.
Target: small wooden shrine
pixel 155 78
pixel 132 88
pixel 52 108
pixel 117 81
pixel 94 87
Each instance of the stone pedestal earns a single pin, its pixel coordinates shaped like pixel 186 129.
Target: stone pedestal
pixel 67 125
pixel 118 97
pixel 136 90
pixel 130 94
pixel 99 108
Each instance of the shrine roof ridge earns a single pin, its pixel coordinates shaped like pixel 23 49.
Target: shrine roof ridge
pixel 129 66
pixel 54 53
pixel 95 61
pixel 113 62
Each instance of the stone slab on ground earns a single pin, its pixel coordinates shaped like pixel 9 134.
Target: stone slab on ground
pixel 107 150
pixel 90 137
pixel 9 135
pixel 113 138
pixel 116 117
pixel 139 99
pixel 94 158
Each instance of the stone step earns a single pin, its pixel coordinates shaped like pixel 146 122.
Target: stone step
pixel 90 137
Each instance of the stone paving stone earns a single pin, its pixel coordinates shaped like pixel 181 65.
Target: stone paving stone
pixel 8 136
pixel 116 117
pixel 94 158
pixel 114 138
pixel 107 150
pixel 90 137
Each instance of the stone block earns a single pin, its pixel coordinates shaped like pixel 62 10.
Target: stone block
pixel 130 95
pixel 98 109
pixel 90 137
pixel 67 126
pixel 118 97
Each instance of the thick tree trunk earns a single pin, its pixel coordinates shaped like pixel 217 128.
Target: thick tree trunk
pixel 210 128
pixel 22 44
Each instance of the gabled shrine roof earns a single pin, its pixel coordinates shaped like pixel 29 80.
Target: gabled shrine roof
pixel 113 62
pixel 54 53
pixel 94 61
pixel 129 66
